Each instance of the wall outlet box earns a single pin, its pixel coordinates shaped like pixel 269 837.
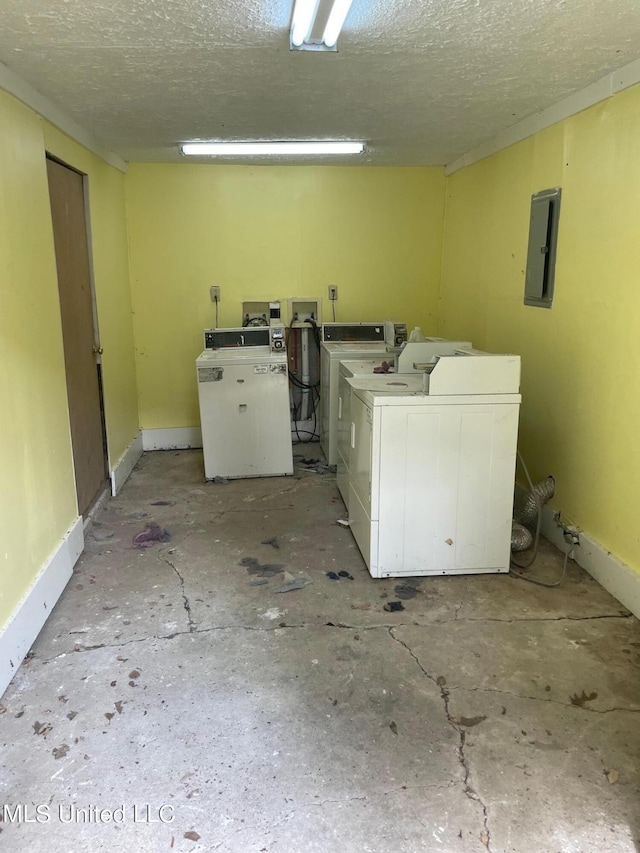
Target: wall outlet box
pixel 215 294
pixel 333 292
pixel 301 309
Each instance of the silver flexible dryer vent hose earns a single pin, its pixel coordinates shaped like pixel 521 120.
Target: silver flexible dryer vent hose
pixel 521 537
pixel 531 509
pixel 539 494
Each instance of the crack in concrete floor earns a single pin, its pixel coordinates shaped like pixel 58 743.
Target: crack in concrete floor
pixel 278 627
pixel 470 792
pixel 187 605
pixel 547 699
pixel 354 669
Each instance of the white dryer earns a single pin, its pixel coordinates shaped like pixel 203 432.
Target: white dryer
pixel 243 392
pixel 359 376
pixel 340 341
pixel 404 377
pixel 431 474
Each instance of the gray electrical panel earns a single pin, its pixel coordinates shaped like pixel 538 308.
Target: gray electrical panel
pixel 541 256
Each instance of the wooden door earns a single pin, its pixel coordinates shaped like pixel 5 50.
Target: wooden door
pixel 66 191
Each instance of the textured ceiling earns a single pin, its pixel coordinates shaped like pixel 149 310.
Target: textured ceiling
pixel 421 82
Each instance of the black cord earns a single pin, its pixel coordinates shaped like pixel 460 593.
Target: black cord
pixel 316 331
pixel 296 413
pixel 314 434
pixel 304 386
pixel 299 384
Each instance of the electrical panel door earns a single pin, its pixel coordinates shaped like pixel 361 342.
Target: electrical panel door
pixel 541 255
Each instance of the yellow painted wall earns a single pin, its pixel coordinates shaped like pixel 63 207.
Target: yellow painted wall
pixel 273 232
pixel 270 233
pixel 37 497
pixel 581 359
pixel 37 494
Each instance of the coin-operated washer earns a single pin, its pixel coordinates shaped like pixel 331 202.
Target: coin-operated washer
pixel 366 374
pixel 348 341
pixel 243 392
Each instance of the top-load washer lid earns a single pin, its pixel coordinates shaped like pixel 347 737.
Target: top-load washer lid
pixel 366 367
pixel 240 355
pixel 356 333
pixel 391 383
pixel 350 350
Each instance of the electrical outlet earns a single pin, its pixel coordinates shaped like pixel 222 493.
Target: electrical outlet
pixel 570 532
pixel 571 535
pixel 215 294
pixel 333 292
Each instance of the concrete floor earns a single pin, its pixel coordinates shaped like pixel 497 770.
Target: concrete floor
pixel 490 714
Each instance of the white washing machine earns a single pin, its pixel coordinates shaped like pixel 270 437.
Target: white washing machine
pixel 405 378
pixel 243 392
pixel 341 341
pixel 359 376
pixel 431 475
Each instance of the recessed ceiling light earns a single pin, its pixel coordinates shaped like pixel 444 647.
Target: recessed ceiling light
pixel 240 149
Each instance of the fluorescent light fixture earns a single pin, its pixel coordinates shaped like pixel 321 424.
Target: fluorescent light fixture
pixel 303 14
pixel 337 17
pixel 239 149
pixel 316 24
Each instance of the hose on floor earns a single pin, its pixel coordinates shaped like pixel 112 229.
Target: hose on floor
pixel 535 494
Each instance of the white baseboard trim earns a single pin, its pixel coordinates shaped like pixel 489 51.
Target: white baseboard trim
pixel 124 466
pixel 177 438
pixel 24 625
pixel 183 438
pixel 610 572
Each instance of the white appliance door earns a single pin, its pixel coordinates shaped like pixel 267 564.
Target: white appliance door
pixel 244 412
pixel 446 489
pixel 325 401
pixel 332 355
pixel 343 438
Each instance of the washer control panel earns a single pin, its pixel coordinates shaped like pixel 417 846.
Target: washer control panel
pixel 277 338
pixel 395 333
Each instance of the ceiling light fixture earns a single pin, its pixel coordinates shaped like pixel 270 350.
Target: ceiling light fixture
pixel 239 149
pixel 316 24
